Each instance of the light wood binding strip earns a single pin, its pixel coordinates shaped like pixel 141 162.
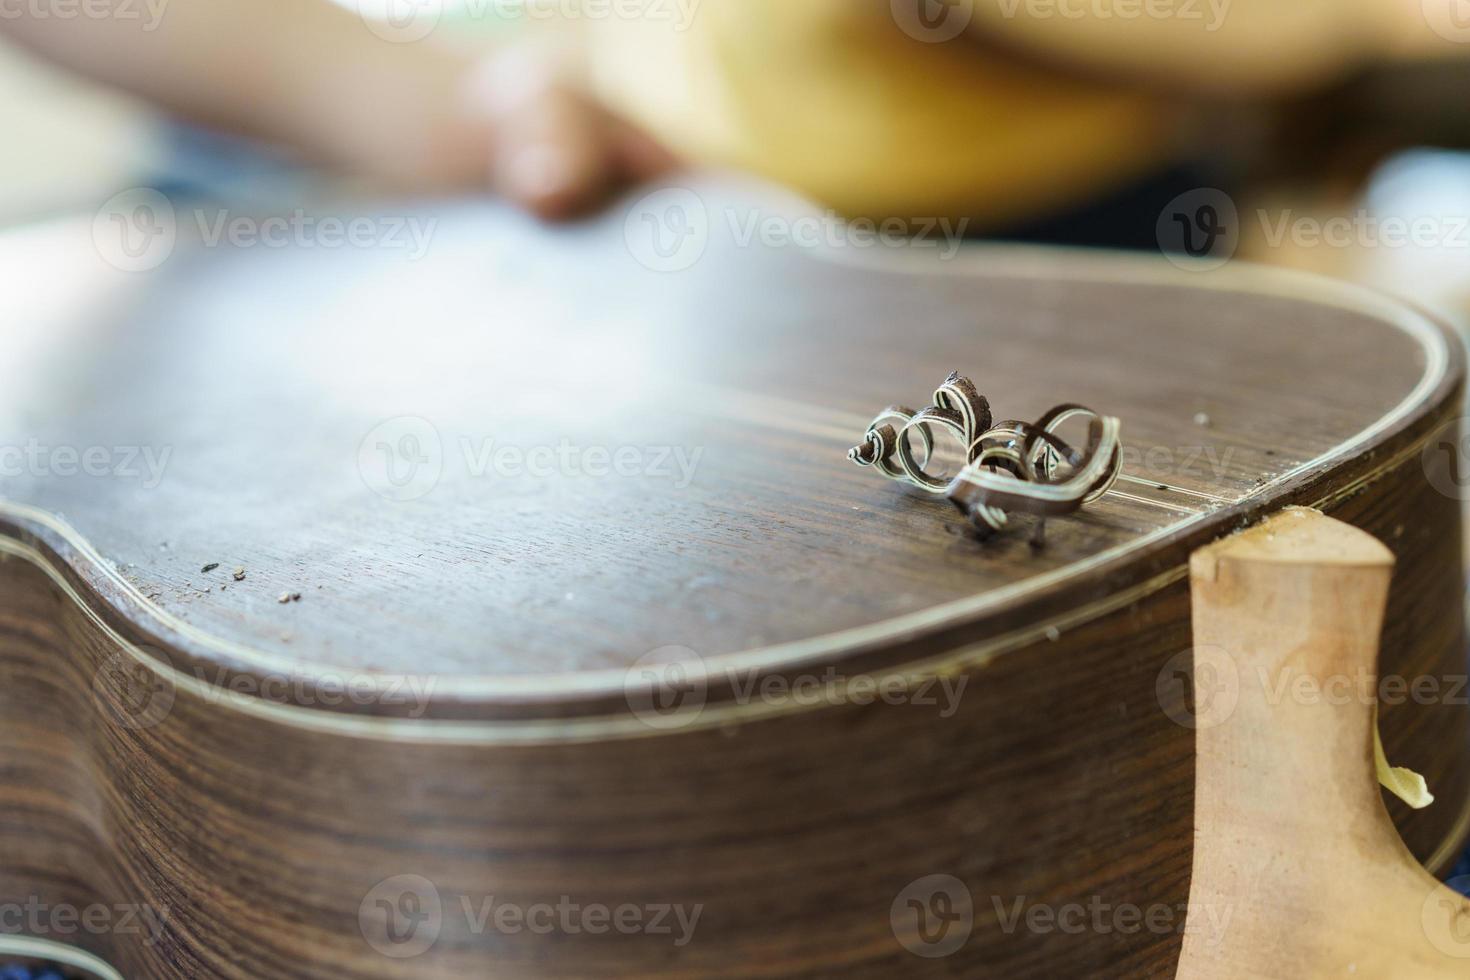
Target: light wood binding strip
pixel 1298 870
pixel 59 953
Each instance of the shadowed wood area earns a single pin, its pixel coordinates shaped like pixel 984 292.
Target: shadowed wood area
pixel 499 673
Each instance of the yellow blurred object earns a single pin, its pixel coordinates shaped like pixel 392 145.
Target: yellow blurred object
pixel 833 99
pixel 1406 784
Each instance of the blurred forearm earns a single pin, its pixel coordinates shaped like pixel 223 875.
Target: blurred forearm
pixel 299 72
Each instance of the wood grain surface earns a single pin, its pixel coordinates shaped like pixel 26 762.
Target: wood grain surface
pixel 470 687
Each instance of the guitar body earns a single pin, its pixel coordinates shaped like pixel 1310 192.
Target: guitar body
pixel 551 633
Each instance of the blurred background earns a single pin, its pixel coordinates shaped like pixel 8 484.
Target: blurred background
pixel 71 143
pixel 1365 177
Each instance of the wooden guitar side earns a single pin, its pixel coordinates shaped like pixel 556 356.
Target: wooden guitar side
pixel 177 741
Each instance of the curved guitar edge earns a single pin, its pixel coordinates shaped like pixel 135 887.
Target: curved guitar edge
pixel 36 952
pixel 594 700
pixel 253 839
pixel 1298 870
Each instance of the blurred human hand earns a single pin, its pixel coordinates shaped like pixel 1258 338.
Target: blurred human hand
pixel 547 144
pixel 423 117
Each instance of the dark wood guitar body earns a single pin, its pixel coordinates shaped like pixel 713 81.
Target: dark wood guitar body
pixel 465 702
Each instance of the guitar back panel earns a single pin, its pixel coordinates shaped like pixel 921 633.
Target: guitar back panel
pixel 528 571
